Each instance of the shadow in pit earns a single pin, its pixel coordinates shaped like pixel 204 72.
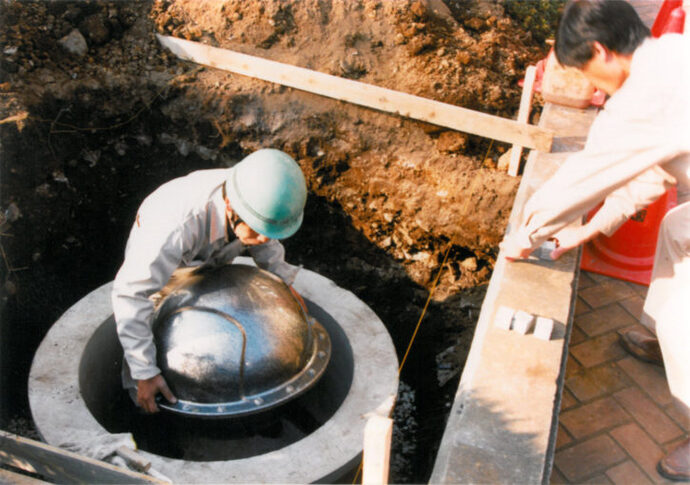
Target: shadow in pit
pixel 74 195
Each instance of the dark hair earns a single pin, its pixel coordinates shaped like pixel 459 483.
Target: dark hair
pixel 613 23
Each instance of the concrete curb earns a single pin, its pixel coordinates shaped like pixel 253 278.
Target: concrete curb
pixel 502 427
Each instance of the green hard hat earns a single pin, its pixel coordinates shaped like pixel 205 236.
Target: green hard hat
pixel 268 191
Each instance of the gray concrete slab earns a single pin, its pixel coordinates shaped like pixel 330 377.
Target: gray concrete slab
pixel 502 426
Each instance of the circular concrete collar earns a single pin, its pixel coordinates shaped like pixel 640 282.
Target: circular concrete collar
pixel 61 416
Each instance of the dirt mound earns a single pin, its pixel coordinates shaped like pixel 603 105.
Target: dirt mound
pixel 407 185
pixel 413 46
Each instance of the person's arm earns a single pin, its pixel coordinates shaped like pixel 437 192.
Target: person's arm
pixel 625 202
pixel 148 389
pixel 618 207
pixel 571 237
pixel 153 253
pixel 271 257
pixel 566 239
pixel 626 174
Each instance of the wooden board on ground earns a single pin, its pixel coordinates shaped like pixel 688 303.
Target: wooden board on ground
pixel 408 105
pixel 61 466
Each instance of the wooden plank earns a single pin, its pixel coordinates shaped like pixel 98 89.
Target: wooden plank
pixel 523 117
pixel 383 99
pixel 378 433
pixel 8 477
pixel 134 460
pixel 61 466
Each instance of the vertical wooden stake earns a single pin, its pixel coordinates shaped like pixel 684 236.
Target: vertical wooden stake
pixel 523 117
pixel 378 433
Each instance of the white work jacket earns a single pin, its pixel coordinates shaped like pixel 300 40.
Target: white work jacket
pixel 637 148
pixel 183 223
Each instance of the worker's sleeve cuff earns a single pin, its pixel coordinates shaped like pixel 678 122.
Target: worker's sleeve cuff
pixel 287 272
pixel 143 373
pixel 523 238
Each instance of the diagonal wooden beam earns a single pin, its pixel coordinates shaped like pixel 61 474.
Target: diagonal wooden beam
pixel 383 99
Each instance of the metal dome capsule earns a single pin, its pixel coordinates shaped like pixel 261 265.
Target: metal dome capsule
pixel 234 341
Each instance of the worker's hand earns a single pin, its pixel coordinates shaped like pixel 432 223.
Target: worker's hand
pixel 148 389
pixel 512 250
pixel 299 299
pixel 567 239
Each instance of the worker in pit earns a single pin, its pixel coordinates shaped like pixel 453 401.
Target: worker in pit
pixel 204 219
pixel 637 148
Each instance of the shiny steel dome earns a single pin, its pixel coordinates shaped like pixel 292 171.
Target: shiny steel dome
pixel 234 340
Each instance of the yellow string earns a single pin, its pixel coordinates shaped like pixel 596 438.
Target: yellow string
pixel 414 334
pixel 426 305
pixel 487 151
pixel 359 470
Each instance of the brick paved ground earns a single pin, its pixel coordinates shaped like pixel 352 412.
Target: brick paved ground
pixel 616 419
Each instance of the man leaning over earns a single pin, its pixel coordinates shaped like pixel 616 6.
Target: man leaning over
pixel 637 148
pixel 204 219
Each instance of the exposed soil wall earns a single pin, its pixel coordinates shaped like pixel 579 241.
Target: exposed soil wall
pixel 95 115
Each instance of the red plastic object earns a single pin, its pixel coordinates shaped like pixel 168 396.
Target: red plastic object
pixel 675 23
pixel 629 253
pixel 662 18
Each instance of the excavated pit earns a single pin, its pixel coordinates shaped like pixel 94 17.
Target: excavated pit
pixel 89 137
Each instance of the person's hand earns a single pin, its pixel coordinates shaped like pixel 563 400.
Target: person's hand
pixel 148 389
pixel 567 239
pixel 512 250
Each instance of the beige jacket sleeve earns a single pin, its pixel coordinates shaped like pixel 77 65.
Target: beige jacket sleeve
pixel 153 253
pixel 271 257
pixel 623 203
